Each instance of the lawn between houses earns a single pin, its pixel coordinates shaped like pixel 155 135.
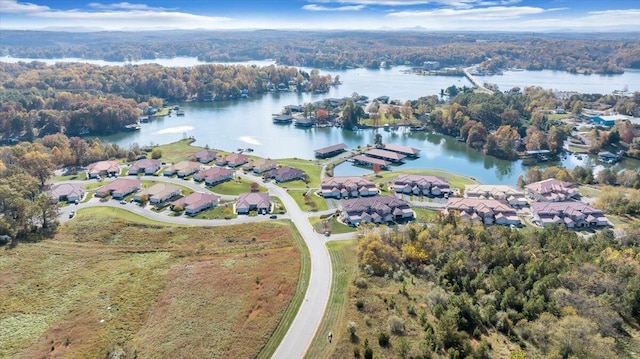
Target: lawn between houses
pixel 111 280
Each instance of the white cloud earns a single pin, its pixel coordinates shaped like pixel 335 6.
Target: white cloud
pixel 14 7
pixel 125 6
pixel 314 7
pixel 450 3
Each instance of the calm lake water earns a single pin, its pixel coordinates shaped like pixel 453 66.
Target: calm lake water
pixel 247 123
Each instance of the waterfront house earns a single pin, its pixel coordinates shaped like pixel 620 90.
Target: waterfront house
pixel 182 169
pixel 380 209
pixel 486 211
pixel 260 165
pixel 285 174
pixel 70 192
pixel 282 119
pixel 196 202
pixel 608 157
pixel 233 160
pixel 119 188
pixel 569 214
pixel 513 196
pixel 421 185
pixel 304 122
pixel 204 156
pixel 145 166
pixel 214 175
pixel 159 193
pixel 551 190
pixel 347 186
pixel 330 151
pixel 103 168
pixel 253 201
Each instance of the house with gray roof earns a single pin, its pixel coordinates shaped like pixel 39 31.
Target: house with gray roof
pixel 379 209
pixel 347 186
pixel 570 214
pixel 214 175
pixel 70 192
pixel 286 173
pixel 253 201
pixel 119 188
pixel 204 156
pixel 196 202
pixel 159 193
pixel 182 169
pixel 486 211
pixel 419 185
pixel 551 190
pixel 145 166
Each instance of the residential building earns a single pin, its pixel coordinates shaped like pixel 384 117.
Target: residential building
pixel 260 165
pixel 182 169
pixel 362 160
pixel 571 214
pixel 285 174
pixel 330 151
pixel 379 209
pixel 159 193
pixel 253 201
pixel 119 188
pixel 205 156
pixel 70 192
pixel 145 166
pixel 232 160
pixel 347 186
pixel 196 202
pixel 214 175
pixel 551 190
pixel 103 168
pixel 486 211
pixel 513 196
pixel 431 186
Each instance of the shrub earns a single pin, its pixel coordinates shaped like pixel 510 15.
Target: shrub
pixel 359 304
pixel 396 325
pixel 356 352
pixel 383 339
pixel 352 327
pixel 411 309
pixel 368 353
pixel 156 153
pixel 361 283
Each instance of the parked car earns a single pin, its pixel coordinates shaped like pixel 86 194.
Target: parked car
pixel 123 202
pixel 72 213
pixel 273 216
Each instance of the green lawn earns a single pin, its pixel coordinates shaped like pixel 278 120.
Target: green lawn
pixel 425 215
pixel 334 226
pixel 219 212
pixel 278 206
pixel 343 262
pixel 178 151
pixel 311 167
pixel 78 176
pixel 295 303
pixel 298 196
pixel 234 187
pixel 95 213
pixel 455 180
pixel 588 191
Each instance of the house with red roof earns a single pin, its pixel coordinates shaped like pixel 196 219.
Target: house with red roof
pixel 103 168
pixel 119 188
pixel 253 201
pixel 196 202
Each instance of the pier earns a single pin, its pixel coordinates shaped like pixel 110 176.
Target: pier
pixel 475 82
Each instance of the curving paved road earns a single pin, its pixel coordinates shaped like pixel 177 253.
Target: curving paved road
pixel 304 326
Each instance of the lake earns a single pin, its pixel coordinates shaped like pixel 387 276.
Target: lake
pixel 247 123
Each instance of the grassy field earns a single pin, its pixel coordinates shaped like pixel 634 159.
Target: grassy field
pixel 334 226
pixel 425 215
pixel 455 180
pixel 111 281
pixel 589 191
pixel 178 151
pixel 343 259
pixel 305 204
pixel 234 187
pixel 310 167
pixel 218 212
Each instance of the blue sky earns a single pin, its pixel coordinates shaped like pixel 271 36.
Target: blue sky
pixel 434 15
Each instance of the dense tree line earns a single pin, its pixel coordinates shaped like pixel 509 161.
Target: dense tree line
pixel 601 53
pixel 549 291
pixel 500 124
pixel 77 98
pixel 27 211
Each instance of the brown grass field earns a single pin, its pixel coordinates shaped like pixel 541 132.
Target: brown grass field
pixel 106 284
